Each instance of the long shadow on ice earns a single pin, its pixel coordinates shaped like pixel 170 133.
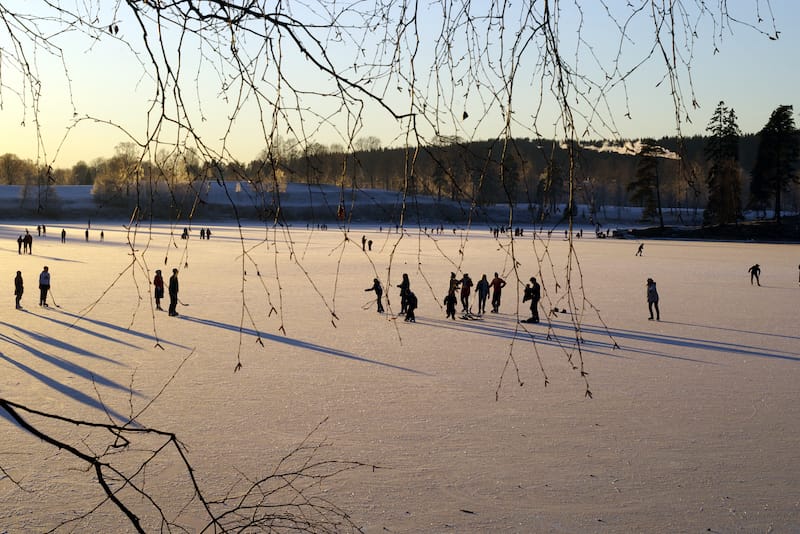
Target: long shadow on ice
pixel 734 330
pixel 71 392
pixel 300 344
pixel 661 339
pixel 50 340
pixel 61 363
pixel 110 326
pixel 562 334
pixel 498 327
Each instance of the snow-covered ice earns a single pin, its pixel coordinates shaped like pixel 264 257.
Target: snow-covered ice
pixel 693 424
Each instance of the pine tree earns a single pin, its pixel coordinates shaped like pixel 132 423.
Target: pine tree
pixel 724 174
pixel 776 162
pixel 645 190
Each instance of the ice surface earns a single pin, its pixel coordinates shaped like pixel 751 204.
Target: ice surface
pixel 693 424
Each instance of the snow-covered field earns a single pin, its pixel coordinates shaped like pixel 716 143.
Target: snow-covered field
pixel 693 424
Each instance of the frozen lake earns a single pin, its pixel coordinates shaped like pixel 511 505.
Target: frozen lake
pixel 693 424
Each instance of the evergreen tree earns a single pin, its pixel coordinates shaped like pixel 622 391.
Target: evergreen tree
pixel 644 190
pixel 724 173
pixel 776 161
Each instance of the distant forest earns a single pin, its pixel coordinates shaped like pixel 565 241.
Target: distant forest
pixel 528 172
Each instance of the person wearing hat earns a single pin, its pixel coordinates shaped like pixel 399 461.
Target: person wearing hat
pixel 173 293
pixel 378 289
pixel 535 296
pixel 19 289
pixel 652 299
pixel 158 285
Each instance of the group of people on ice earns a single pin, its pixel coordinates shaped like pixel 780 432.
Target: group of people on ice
pixel 463 287
pixel 456 286
pixel 44 288
pixel 172 288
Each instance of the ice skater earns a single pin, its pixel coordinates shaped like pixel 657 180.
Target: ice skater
pixel 533 292
pixel 405 289
pixel 450 302
pixel 466 288
pixel 378 289
pixel 173 293
pixel 639 250
pixel 497 284
pixel 755 273
pixel 158 289
pixel 44 286
pixel 411 305
pixel 454 283
pixel 27 243
pixel 652 299
pixel 19 288
pixel 482 290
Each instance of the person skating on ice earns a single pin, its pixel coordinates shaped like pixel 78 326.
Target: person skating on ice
pixel 19 288
pixel 652 299
pixel 411 305
pixel 497 284
pixel 405 288
pixel 173 293
pixel 44 286
pixel 533 292
pixel 378 289
pixel 755 273
pixel 158 289
pixel 450 302
pixel 466 288
pixel 482 290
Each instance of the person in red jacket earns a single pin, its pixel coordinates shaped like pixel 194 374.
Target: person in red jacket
pixel 497 284
pixel 158 285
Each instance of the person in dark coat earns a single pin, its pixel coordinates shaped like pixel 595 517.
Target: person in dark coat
pixel 158 289
pixel 378 289
pixel 44 286
pixel 482 290
pixel 173 293
pixel 455 283
pixel 450 302
pixel 19 288
pixel 19 245
pixel 405 288
pixel 497 284
pixel 466 288
pixel 534 294
pixel 755 273
pixel 411 305
pixel 652 299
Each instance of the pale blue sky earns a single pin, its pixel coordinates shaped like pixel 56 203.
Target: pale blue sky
pixel 750 72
